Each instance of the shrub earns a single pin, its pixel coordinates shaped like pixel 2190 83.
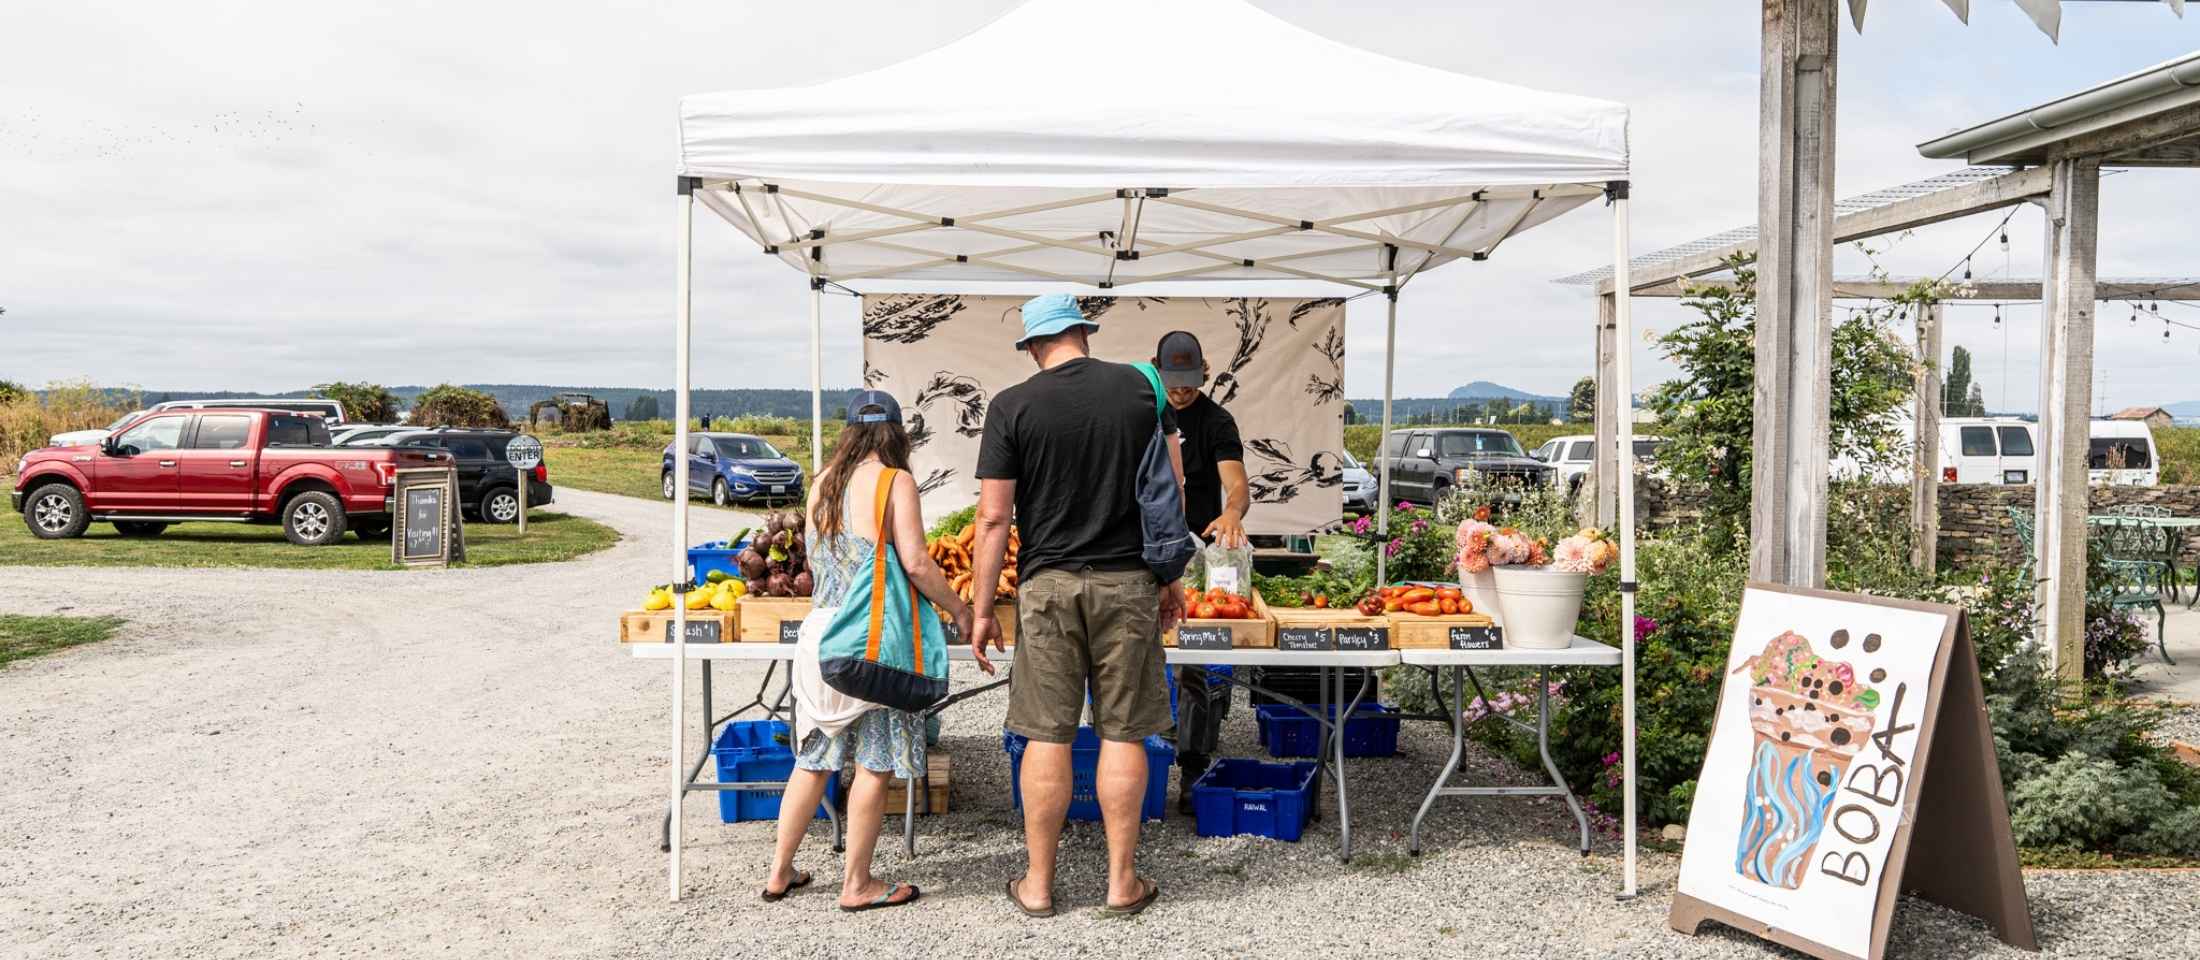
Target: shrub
pixel 28 420
pixel 451 406
pixel 363 402
pixel 11 391
pixel 2081 769
pixel 1419 548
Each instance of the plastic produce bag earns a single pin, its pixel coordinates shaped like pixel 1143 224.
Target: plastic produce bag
pixel 1227 568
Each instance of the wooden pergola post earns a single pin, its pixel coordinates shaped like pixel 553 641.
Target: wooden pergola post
pixel 1794 292
pixel 2066 390
pixel 1604 468
pixel 1925 458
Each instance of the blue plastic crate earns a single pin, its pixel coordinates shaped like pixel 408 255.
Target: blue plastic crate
pixel 748 751
pixel 1286 731
pixel 715 555
pixel 1247 796
pixel 1084 765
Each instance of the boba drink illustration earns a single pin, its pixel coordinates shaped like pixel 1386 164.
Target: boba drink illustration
pixel 1811 716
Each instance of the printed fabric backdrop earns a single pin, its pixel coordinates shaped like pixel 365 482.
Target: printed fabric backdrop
pixel 1276 364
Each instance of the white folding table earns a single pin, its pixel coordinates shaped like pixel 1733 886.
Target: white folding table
pixel 1460 664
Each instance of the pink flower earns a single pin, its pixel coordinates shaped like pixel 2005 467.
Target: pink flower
pixel 1509 546
pixel 1474 544
pixel 1584 552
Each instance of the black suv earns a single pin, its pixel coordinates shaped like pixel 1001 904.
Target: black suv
pixel 488 486
pixel 1426 463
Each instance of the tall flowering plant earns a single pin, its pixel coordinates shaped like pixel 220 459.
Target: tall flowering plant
pixel 1416 549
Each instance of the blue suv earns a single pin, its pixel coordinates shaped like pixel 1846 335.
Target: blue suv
pixel 735 468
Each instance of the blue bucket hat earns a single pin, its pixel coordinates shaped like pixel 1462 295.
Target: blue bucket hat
pixel 1048 315
pixel 874 406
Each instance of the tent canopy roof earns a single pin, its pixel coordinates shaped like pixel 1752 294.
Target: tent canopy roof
pixel 1048 128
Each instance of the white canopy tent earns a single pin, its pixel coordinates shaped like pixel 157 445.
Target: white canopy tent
pixel 1098 145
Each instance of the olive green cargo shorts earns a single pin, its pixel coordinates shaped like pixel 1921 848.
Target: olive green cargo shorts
pixel 1077 627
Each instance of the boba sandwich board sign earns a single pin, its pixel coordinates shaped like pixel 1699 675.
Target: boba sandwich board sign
pixel 1850 762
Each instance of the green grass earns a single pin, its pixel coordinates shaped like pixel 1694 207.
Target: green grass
pixel 24 637
pixel 550 537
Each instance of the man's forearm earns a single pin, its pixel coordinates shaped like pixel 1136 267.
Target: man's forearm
pixel 991 554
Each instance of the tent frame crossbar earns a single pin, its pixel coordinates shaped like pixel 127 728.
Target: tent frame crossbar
pixel 1124 244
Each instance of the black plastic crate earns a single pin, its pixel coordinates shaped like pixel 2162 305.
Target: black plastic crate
pixel 1304 684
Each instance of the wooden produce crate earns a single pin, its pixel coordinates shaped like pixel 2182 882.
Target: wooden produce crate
pixel 1329 628
pixel 704 626
pixel 1412 631
pixel 1257 632
pixel 1004 613
pixel 937 775
pixel 772 619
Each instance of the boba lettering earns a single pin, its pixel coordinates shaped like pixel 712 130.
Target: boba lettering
pixel 1879 785
pixel 1880 791
pixel 1853 861
pixel 1841 819
pixel 1884 739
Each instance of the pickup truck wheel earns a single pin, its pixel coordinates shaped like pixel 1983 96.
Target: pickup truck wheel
pixel 670 490
pixel 139 528
pixel 56 512
pixel 718 493
pixel 500 505
pixel 313 519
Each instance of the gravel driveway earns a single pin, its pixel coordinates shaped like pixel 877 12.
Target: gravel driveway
pixel 461 763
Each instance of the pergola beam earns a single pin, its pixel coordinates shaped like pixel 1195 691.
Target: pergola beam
pixel 2020 289
pixel 2007 190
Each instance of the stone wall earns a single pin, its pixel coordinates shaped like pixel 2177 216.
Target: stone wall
pixel 1974 518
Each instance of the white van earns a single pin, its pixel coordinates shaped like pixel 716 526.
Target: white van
pixel 1987 450
pixel 2122 454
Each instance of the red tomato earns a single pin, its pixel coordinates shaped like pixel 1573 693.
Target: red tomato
pixel 1203 611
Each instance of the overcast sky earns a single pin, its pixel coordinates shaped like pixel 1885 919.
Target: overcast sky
pixel 260 195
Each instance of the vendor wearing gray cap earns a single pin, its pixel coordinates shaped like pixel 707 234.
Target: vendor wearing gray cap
pixel 1215 500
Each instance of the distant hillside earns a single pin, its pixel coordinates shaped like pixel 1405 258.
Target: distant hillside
pixel 1410 410
pixel 517 397
pixel 1483 390
pixel 2183 409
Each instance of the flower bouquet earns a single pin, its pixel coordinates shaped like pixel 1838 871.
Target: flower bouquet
pixel 1539 588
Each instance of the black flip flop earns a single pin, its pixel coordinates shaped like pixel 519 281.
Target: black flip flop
pixel 1153 891
pixel 801 879
pixel 887 899
pixel 1041 914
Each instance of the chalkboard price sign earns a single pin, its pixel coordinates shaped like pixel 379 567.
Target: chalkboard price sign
pixel 790 631
pixel 699 631
pixel 1203 638
pixel 1478 638
pixel 1305 638
pixel 1363 638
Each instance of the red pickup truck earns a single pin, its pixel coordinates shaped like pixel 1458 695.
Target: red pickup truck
pixel 251 466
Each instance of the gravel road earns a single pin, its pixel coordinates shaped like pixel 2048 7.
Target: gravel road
pixel 461 763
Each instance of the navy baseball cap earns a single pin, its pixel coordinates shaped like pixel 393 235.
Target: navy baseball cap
pixel 874 406
pixel 1179 360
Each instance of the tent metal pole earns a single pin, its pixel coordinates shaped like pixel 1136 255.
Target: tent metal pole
pixel 1382 443
pixel 817 378
pixel 682 327
pixel 1623 404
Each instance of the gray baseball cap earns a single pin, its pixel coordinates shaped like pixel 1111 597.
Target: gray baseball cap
pixel 1179 360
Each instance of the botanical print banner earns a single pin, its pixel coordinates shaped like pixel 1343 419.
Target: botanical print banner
pixel 1810 767
pixel 1277 365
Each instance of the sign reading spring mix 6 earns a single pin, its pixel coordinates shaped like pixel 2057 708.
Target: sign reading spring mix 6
pixel 1850 735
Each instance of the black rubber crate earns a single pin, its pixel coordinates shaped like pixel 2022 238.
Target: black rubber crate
pixel 1304 684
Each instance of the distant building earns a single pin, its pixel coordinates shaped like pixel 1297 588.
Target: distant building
pixel 2152 416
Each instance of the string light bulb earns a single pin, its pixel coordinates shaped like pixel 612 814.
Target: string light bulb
pixel 1997 315
pixel 2005 241
pixel 1966 268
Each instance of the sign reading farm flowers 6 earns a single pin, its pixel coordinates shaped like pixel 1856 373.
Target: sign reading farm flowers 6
pixel 1815 786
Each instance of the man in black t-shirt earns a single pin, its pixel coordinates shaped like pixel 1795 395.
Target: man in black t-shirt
pixel 1062 451
pixel 1215 501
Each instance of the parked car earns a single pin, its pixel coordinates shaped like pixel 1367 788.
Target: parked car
pixel 735 468
pixel 2004 450
pixel 1360 487
pixel 76 437
pixel 330 411
pixel 488 485
pixel 361 434
pixel 1426 463
pixel 1573 456
pixel 243 465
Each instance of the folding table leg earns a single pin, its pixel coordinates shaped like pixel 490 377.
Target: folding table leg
pixel 1543 749
pixel 1451 766
pixel 1336 741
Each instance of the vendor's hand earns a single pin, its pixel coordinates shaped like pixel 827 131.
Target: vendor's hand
pixel 1227 531
pixel 1172 607
pixel 983 628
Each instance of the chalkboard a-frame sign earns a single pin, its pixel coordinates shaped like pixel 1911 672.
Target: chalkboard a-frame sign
pixel 425 522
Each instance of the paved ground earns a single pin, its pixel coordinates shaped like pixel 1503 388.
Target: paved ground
pixel 2182 681
pixel 461 763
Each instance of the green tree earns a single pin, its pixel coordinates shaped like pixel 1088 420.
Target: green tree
pixel 642 407
pixel 363 402
pixel 1581 405
pixel 1960 395
pixel 452 406
pixel 1707 414
pixel 11 391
